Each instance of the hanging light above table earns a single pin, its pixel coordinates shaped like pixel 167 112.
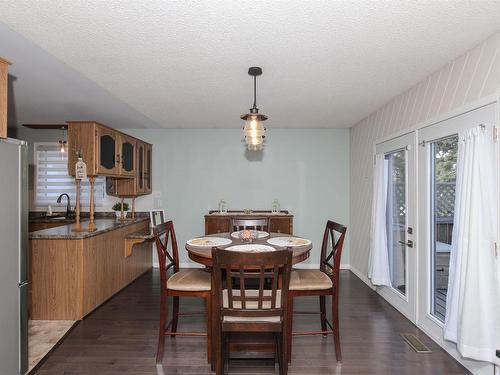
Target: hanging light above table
pixel 254 130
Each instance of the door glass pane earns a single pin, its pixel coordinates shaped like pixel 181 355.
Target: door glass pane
pixel 128 156
pixel 396 218
pixel 443 181
pixel 107 152
pixel 141 167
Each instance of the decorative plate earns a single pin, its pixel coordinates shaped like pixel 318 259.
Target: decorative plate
pixel 260 234
pixel 288 241
pixel 209 241
pixel 251 248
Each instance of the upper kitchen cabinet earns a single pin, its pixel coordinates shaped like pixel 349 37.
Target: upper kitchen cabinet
pixel 141 183
pixel 127 155
pixel 106 151
pixel 148 165
pixel 4 83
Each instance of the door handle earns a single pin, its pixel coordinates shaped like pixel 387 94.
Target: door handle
pixel 409 243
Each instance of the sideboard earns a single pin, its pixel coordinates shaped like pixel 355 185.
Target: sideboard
pixel 216 222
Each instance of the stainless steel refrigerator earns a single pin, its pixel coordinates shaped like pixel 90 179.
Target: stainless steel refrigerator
pixel 13 257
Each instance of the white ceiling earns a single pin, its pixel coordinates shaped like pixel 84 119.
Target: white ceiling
pixel 183 64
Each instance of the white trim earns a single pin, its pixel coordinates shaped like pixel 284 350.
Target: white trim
pixel 360 275
pixel 493 98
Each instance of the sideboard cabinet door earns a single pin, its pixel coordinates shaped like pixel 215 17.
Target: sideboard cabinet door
pixel 281 225
pixel 214 225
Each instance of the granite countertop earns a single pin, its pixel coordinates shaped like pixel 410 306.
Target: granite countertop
pixel 141 235
pixel 53 219
pixel 66 231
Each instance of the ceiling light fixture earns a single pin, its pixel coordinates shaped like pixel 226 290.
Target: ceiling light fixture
pixel 63 142
pixel 254 130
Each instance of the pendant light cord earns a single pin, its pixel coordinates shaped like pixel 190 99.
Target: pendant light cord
pixel 255 91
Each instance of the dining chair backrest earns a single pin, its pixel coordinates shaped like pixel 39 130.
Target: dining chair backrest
pixel 255 224
pixel 264 269
pixel 331 249
pixel 167 259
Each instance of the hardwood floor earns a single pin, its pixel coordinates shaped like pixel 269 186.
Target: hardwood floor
pixel 120 338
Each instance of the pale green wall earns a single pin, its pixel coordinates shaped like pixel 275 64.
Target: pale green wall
pixel 306 170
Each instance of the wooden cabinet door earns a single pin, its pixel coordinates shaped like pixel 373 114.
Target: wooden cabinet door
pixel 148 169
pixel 281 225
pixel 127 156
pixel 140 168
pixel 215 225
pixel 107 152
pixel 3 97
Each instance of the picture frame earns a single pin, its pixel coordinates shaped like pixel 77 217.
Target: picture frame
pixel 156 217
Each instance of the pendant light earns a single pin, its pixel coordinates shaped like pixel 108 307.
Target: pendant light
pixel 254 130
pixel 63 142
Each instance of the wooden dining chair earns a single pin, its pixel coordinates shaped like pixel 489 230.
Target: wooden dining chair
pixel 255 224
pixel 250 310
pixel 323 282
pixel 185 283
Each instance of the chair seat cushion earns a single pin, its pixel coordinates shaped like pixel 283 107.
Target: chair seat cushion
pixel 251 305
pixel 190 280
pixel 309 280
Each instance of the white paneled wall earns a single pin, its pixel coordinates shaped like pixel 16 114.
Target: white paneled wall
pixel 474 75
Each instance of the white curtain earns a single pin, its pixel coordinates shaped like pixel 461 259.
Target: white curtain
pixel 472 308
pixel 378 263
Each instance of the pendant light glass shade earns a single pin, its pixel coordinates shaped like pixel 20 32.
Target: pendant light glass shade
pixel 254 129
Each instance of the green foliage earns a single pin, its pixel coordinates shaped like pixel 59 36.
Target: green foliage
pixel 118 206
pixel 446 153
pixel 445 162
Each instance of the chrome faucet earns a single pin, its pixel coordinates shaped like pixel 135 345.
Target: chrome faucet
pixel 69 213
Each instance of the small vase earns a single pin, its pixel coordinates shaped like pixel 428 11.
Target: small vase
pixel 119 214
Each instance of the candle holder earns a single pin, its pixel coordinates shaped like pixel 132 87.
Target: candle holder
pixel 248 235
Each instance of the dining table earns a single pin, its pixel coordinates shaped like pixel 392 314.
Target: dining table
pixel 203 254
pixel 245 345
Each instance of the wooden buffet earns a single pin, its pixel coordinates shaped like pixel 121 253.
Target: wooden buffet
pixel 280 222
pixel 72 273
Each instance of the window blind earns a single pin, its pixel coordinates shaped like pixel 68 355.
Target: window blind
pixel 52 178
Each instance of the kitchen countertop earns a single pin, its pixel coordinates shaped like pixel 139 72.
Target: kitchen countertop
pixel 66 231
pixel 141 235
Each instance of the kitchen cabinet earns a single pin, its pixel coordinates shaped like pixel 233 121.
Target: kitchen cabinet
pixel 216 222
pixel 106 151
pixel 128 151
pixel 141 183
pixel 4 84
pixel 140 167
pixel 148 164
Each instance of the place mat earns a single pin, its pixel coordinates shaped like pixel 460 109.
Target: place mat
pixel 209 241
pixel 251 248
pixel 260 234
pixel 288 241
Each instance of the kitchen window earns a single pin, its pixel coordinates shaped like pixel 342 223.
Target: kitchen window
pixel 52 178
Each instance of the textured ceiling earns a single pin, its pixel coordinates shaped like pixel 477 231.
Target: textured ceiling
pixel 183 64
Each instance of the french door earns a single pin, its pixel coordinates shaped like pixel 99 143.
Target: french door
pixel 437 160
pixel 400 174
